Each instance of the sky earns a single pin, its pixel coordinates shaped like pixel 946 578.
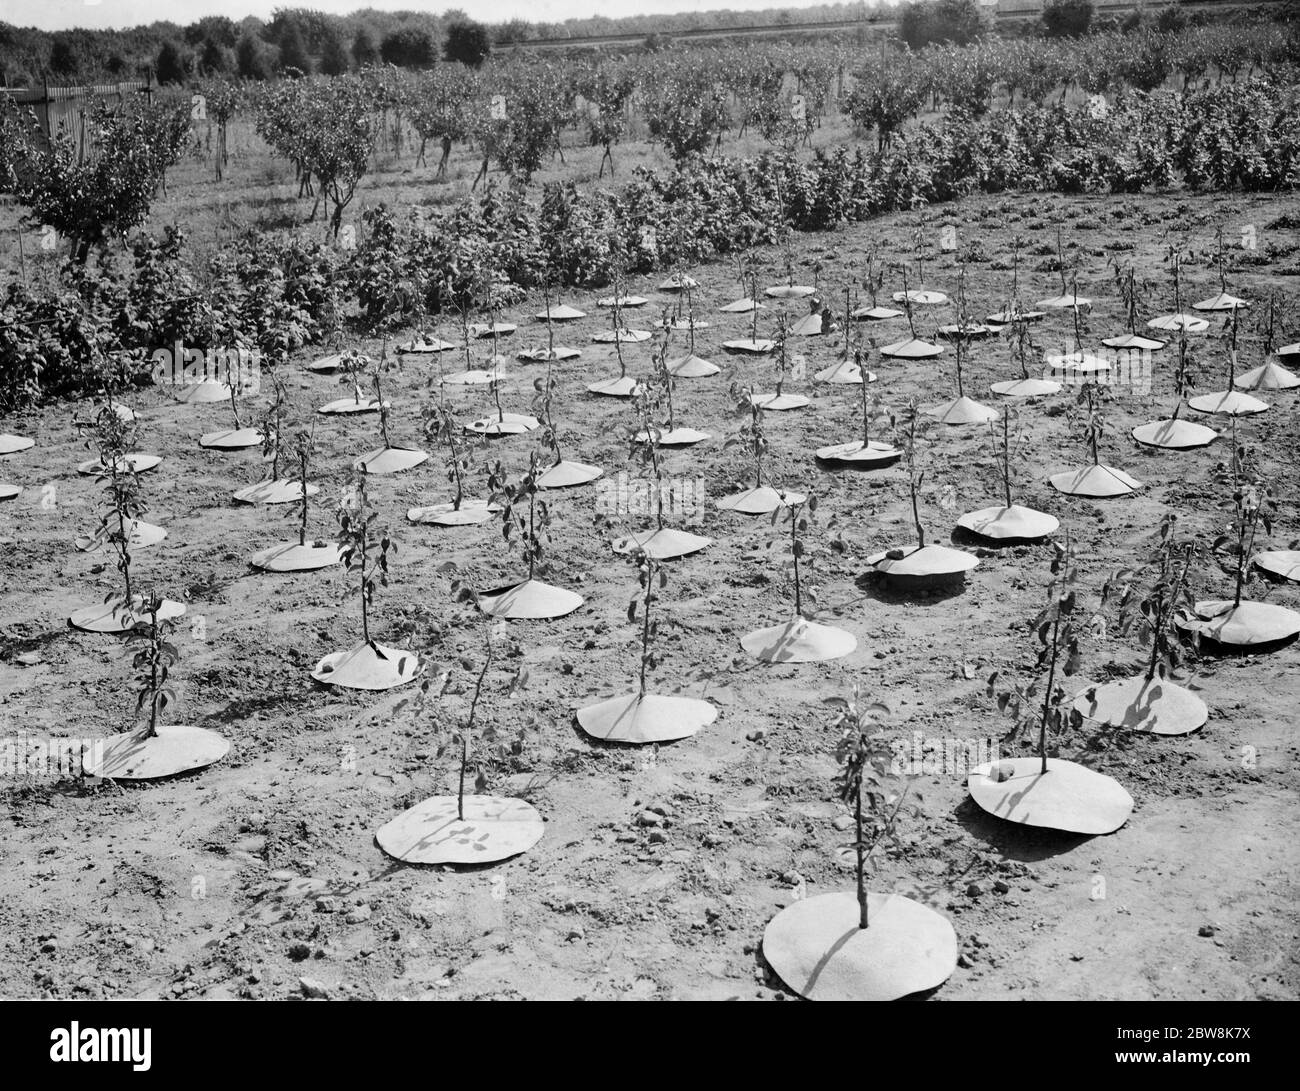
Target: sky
pixel 101 14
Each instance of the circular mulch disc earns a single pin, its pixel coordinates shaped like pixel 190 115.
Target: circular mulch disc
pixel 1065 302
pixel 1269 376
pixel 530 600
pixel 622 387
pixel 231 439
pixel 1096 481
pixel 390 460
pixel 431 832
pixel 474 377
pixel 1007 318
pixel 633 337
pixel 204 392
pixel 692 367
pixel 969 331
pixel 789 291
pixel 470 513
pixel 139 535
pixel 369 666
pixel 1282 563
pixel 114 616
pixel 924 297
pixel 1174 434
pixel 622 301
pixel 1082 363
pixel 1016 523
pixel 481 330
pixel 1221 302
pixel 748 346
pixel 1025 388
pixel 934 561
pixel 545 355
pixel 676 437
pixel 138 462
pixel 504 424
pixel 663 544
pixel 1067 797
pixel 327 363
pixel 818 949
pixel 422 347
pixel 292 557
pixel 1156 705
pixel 686 324
pixel 350 405
pixel 760 501
pixel 679 282
pixel 1241 626
pixel 859 453
pixel 876 314
pixel 134 756
pixel 963 410
pixel 9 491
pixel 911 349
pixel 566 474
pixel 844 372
pixel 561 313
pixel 1289 352
pixel 810 325
pixel 743 306
pixel 633 718
pixel 283 491
pixel 780 403
pixel 10 444
pixel 1133 341
pixel 799 641
pixel 1188 323
pixel 1232 403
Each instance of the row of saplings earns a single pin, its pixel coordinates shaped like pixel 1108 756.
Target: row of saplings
pixel 853 945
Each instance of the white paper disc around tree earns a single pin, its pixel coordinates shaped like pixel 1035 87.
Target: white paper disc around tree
pixel 281 491
pixel 922 296
pixel 470 513
pixel 912 348
pixel 676 437
pixel 422 346
pixel 685 324
pixel 622 301
pixel 545 355
pixel 9 491
pixel 494 828
pixel 621 386
pixel 679 282
pixel 11 444
pixel 480 330
pixel 529 600
pixel 369 666
pixel 780 403
pixel 762 500
pixel 115 616
pixel 204 392
pixel 810 325
pixel 1174 434
pixel 1133 341
pixel 1231 403
pixel 692 367
pixel 138 462
pixel 818 949
pixel 231 439
pixel 1009 317
pixel 934 562
pixel 628 337
pixel 348 406
pixel 1157 706
pixel 963 411
pixel 1284 564
pixel 475 376
pixel 1025 388
pixel 176 749
pixel 1078 363
pixel 1268 376
pixel 789 291
pixel 1244 625
pixel 845 372
pixel 857 453
pixel 742 306
pixel 799 641
pixel 503 424
pixel 330 362
pixel 1221 302
pixel 390 460
pixel 970 331
pixel 139 535
pixel 632 718
pixel 662 544
pixel 292 557
pixel 747 346
pixel 876 314
pixel 1068 797
pixel 566 474
pixel 1173 323
pixel 1097 481
pixel 1014 524
pixel 561 312
pixel 1066 303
